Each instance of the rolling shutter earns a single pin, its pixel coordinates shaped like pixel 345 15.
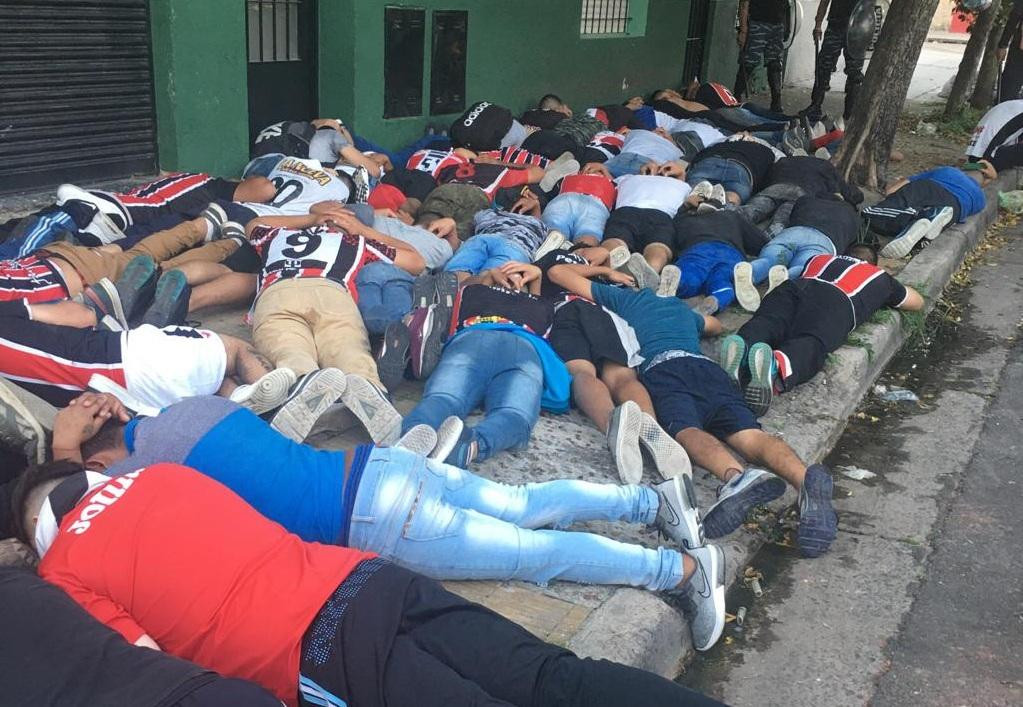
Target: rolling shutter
pixel 76 91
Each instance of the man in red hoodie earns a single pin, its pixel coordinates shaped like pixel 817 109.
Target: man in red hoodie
pixel 173 560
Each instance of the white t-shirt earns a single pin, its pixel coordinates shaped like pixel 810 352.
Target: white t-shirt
pixel 651 192
pixel 163 366
pixel 652 146
pixel 300 184
pixel 992 123
pixel 435 251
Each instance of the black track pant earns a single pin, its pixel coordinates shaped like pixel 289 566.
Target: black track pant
pixel 405 641
pixel 801 326
pixel 913 201
pixel 1011 82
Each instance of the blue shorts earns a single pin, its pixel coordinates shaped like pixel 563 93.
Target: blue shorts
pixel 692 391
pixel 733 176
pixel 576 215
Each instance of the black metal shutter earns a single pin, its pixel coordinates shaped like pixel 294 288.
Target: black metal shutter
pixel 76 91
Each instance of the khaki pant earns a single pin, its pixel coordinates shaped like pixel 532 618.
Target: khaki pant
pixel 94 264
pixel 309 323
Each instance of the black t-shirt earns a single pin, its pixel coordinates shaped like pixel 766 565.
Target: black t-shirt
pixel 723 226
pixel 543 119
pixel 815 176
pixel 54 653
pixel 548 289
pixel 865 287
pixel 840 10
pixel 483 304
pixel 831 216
pixel 773 11
pixel 757 158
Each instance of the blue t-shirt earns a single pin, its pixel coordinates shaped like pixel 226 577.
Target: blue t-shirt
pixel 290 483
pixel 661 323
pixel 966 191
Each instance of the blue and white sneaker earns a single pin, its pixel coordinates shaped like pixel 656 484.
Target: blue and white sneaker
pixel 731 358
pixel 751 488
pixel 760 390
pixel 677 515
pixel 706 597
pixel 818 522
pixel 941 218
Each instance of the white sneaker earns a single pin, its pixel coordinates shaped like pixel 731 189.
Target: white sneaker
pixel 671 276
pixel 418 440
pixel 557 170
pixel 677 516
pixel 938 223
pixel 267 393
pixel 745 291
pixel 668 455
pixel 106 203
pixel 900 247
pixel 707 596
pixel 555 240
pixel 310 398
pixel 104 228
pixel 702 190
pixel 623 441
pixel 374 410
pixel 448 434
pixel 719 195
pixel 775 276
pixel 618 257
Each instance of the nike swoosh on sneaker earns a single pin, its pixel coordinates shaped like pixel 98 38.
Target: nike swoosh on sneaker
pixel 674 520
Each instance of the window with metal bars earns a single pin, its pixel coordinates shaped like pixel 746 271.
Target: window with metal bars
pixel 272 30
pixel 604 17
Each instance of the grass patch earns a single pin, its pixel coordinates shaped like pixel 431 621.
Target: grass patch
pixel 959 125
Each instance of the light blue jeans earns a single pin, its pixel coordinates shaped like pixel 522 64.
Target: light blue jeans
pixel 448 523
pixel 494 368
pixel 484 252
pixel 793 248
pixel 733 176
pixel 577 215
pixel 385 295
pixel 626 163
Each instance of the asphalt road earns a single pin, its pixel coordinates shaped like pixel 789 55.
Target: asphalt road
pixel 920 601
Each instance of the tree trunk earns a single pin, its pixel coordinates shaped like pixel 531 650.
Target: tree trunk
pixel 863 156
pixel 989 72
pixel 966 76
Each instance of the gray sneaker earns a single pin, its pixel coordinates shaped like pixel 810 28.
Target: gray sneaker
pixel 310 398
pixel 266 394
pixel 668 455
pixel 420 440
pixel 707 596
pixel 19 428
pixel 374 410
pixel 751 488
pixel 618 257
pixel 644 275
pixel 448 434
pixel 671 276
pixel 557 170
pixel 677 515
pixel 903 244
pixel 623 441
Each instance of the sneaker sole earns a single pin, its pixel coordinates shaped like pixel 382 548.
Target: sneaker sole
pixel 445 287
pixel 136 287
pixel 555 241
pixel 270 391
pixel 818 526
pixel 901 246
pixel 170 302
pixel 760 391
pixel 775 276
pixel 19 427
pixel 726 516
pixel 618 257
pixel 313 396
pixel 644 275
pixel 448 435
pixel 717 597
pixel 668 455
pixel 938 224
pixel 671 276
pixel 377 415
pixel 624 430
pixel 423 291
pixel 393 360
pixel 745 290
pixel 420 440
pixel 733 353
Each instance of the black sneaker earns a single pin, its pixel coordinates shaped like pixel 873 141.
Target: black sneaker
pixel 136 287
pixel 231 229
pixel 445 288
pixel 102 298
pixel 170 303
pixel 393 358
pixel 424 290
pixel 216 217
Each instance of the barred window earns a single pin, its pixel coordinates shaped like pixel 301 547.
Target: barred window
pixel 272 30
pixel 604 17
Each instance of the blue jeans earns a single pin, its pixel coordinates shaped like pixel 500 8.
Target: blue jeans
pixel 733 176
pixel 447 523
pixel 496 368
pixel 707 270
pixel 792 248
pixel 626 163
pixel 481 253
pixel 385 295
pixel 577 215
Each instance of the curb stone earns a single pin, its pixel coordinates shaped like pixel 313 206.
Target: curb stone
pixel 811 419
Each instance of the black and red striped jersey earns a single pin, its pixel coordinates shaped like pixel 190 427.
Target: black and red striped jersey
pixel 32 279
pixel 517 156
pixel 162 191
pixel 488 177
pixel 315 252
pixel 433 161
pixel 866 286
pixel 608 142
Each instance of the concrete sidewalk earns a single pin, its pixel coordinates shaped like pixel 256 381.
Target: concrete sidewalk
pixel 634 626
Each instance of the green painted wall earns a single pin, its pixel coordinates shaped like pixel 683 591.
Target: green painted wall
pixel 336 58
pixel 722 53
pixel 518 50
pixel 199 65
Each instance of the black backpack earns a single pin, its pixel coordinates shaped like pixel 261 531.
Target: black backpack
pixel 288 137
pixel 481 128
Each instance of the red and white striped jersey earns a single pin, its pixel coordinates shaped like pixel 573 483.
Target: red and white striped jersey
pixel 867 286
pixel 433 161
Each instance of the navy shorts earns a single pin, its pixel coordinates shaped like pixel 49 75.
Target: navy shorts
pixel 691 391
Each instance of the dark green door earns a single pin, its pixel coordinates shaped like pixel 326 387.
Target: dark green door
pixel 282 61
